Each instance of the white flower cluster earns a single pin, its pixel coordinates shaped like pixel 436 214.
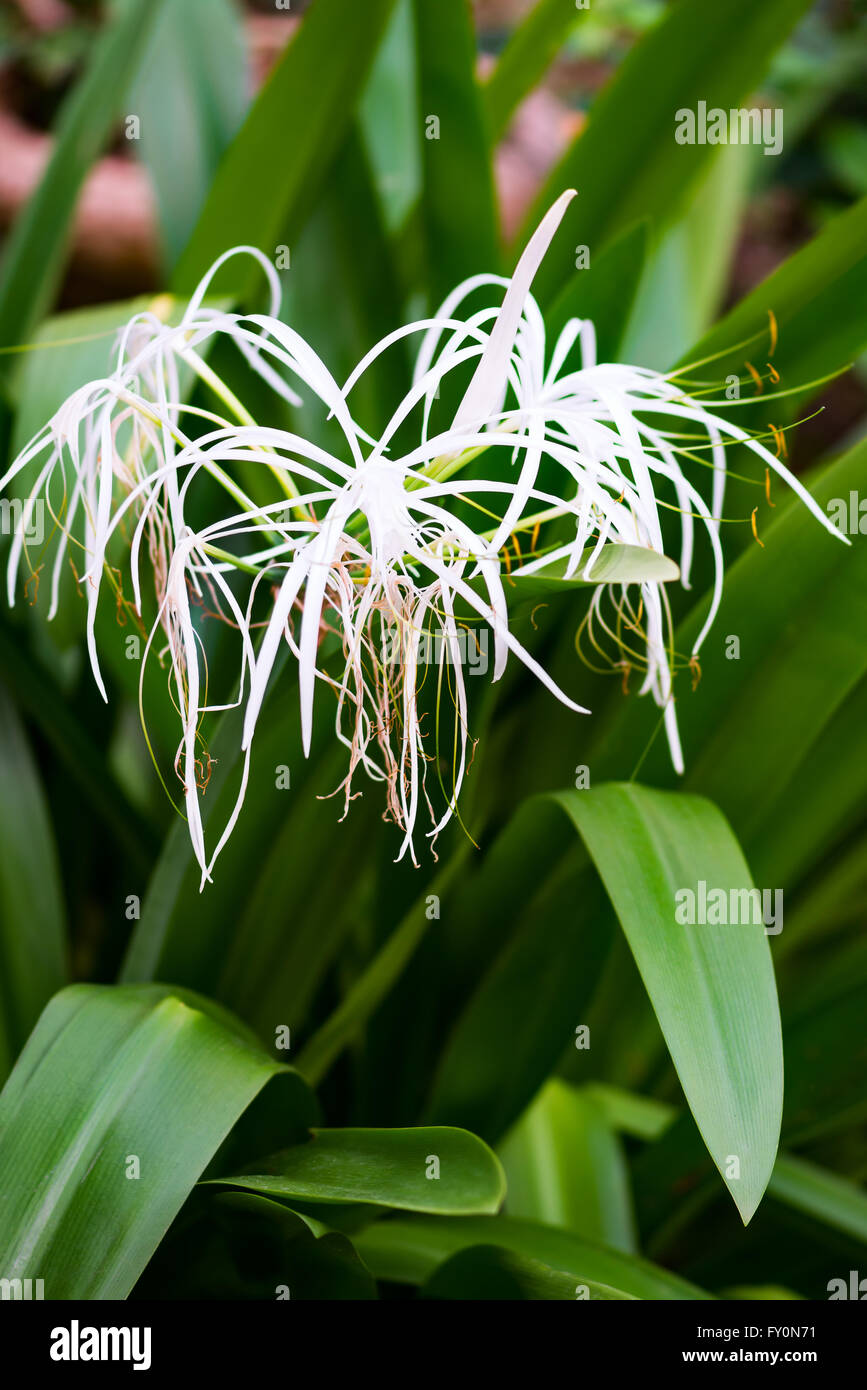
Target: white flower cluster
pixel 360 538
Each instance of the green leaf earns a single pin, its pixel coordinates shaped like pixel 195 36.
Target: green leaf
pixel 615 564
pixel 491 1272
pixel 190 96
pixel 110 1075
pixel 695 53
pixel 269 178
pixel 388 116
pixel 712 987
pixel 533 45
pixel 565 1166
pixel 32 916
pixel 408 1250
pixel 387 1168
pixel 458 207
pixel 33 260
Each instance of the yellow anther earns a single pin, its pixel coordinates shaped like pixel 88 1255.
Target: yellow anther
pixel 756 378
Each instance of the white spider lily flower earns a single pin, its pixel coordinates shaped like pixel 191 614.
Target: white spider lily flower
pixel 597 422
pixel 389 551
pixel 357 541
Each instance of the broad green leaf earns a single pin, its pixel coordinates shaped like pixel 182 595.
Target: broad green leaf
pixel 712 987
pixel 408 1250
pixel 714 54
pixel 434 1170
pixel 268 179
pixel 33 259
pixel 190 95
pixel 32 916
pixel 492 1272
pixel 113 1077
pixel 458 209
pixel 532 47
pixel 565 1166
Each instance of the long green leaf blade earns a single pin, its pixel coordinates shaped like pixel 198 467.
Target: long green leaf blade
pixel 118 1102
pixel 408 1250
pixel 712 986
pixel 715 54
pixel 458 207
pixel 273 169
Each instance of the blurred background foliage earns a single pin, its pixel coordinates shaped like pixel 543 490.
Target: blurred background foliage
pixel 304 128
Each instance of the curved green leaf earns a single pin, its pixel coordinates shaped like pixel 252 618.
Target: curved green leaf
pixel 712 986
pixel 408 1250
pixel 272 171
pixel 434 1170
pixel 116 1105
pixel 491 1272
pixel 565 1165
pixel 713 54
pixel 458 208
